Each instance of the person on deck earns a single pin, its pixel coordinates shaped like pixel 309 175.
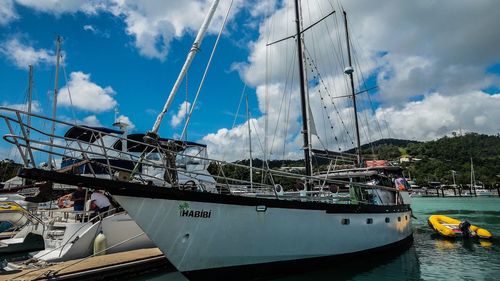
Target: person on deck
pixel 99 202
pixel 78 198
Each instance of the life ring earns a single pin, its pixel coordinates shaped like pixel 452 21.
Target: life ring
pixel 189 185
pixel 64 201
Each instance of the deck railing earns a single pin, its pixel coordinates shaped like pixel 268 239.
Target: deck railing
pixel 96 151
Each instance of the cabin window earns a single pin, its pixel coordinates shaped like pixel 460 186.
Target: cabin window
pixel 387 220
pixel 369 220
pixel 399 218
pixel 345 221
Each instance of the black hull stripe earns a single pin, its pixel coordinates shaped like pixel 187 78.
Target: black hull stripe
pixel 275 269
pixel 144 191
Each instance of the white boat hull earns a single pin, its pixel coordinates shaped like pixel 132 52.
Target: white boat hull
pixel 228 235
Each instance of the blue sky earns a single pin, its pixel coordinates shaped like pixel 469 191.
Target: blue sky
pixel 141 85
pixel 433 75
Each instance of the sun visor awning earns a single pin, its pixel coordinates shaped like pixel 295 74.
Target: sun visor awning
pixel 89 134
pixel 137 144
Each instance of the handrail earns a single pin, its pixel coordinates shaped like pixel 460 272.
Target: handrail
pixel 97 153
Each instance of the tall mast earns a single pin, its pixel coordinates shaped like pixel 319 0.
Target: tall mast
pixel 349 71
pixel 250 144
pixel 194 49
pixel 54 105
pixel 303 98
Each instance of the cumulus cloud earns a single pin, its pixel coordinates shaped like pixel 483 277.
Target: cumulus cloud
pixel 22 55
pixel 59 7
pixel 92 121
pixel 181 114
pixel 438 115
pixel 7 12
pixel 96 31
pixel 89 27
pixel 412 50
pixel 154 24
pixel 86 95
pixel 233 143
pixel 126 120
pixel 35 106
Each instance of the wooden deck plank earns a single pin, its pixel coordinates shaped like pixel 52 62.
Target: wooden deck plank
pixel 87 266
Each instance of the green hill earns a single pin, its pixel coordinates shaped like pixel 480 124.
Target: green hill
pixel 439 157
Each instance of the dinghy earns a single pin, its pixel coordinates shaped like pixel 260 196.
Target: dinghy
pixel 450 227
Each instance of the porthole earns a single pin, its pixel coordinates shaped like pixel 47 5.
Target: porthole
pixel 369 220
pixel 406 217
pixel 399 218
pixel 387 220
pixel 345 221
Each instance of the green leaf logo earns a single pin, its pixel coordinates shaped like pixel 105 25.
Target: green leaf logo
pixel 183 206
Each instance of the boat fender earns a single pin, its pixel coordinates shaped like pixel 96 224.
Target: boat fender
pixel 278 189
pixel 100 244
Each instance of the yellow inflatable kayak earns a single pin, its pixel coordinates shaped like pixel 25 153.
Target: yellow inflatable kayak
pixel 450 227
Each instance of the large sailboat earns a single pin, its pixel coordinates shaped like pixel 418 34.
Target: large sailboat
pixel 203 228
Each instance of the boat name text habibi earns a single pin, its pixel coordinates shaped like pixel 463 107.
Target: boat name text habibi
pixel 184 211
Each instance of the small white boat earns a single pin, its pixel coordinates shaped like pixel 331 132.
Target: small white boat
pixel 17 217
pixel 483 192
pixel 71 235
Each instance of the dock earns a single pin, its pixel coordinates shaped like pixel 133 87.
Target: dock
pixel 110 266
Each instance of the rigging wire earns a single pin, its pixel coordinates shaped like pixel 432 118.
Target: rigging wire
pixel 290 74
pixel 356 44
pixel 69 92
pixel 328 93
pixel 293 65
pixel 287 120
pixel 188 118
pixel 236 115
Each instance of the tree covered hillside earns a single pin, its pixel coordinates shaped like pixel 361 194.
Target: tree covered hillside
pixel 435 160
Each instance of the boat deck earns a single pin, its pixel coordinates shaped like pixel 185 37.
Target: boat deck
pixel 96 268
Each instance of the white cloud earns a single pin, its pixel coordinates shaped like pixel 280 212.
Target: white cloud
pixel 154 24
pixel 11 153
pixel 23 55
pixel 438 115
pixel 181 114
pixel 89 27
pixel 262 8
pixel 126 120
pixel 35 106
pixel 233 144
pixel 413 49
pixel 96 31
pixel 59 7
pixel 86 95
pixel 7 12
pixel 92 121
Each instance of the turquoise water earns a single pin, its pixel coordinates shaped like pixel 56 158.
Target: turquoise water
pixel 431 257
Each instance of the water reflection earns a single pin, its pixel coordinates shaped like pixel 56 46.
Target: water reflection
pixel 404 266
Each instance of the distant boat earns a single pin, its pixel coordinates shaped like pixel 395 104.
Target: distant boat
pixel 483 192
